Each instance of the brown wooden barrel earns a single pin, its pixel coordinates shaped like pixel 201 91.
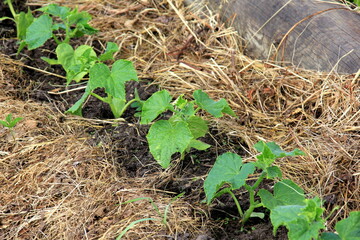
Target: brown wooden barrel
pixel 311 34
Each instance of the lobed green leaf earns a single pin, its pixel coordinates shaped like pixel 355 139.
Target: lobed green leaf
pixel 270 152
pixel 166 138
pixel 286 192
pixel 215 108
pixel 39 32
pixel 349 228
pixel 111 48
pixel 158 103
pixel 56 10
pixel 228 169
pixel 198 126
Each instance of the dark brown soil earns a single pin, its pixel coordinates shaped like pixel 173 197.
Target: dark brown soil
pixel 127 145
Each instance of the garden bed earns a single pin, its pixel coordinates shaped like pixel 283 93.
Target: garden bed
pixel 65 177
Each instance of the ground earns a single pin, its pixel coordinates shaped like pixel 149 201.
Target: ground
pixel 66 177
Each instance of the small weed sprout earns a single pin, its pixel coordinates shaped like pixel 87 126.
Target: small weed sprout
pixel 10 123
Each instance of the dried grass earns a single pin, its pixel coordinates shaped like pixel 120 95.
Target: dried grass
pixel 181 51
pixel 55 185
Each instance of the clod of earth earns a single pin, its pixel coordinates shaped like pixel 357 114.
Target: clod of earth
pixel 310 34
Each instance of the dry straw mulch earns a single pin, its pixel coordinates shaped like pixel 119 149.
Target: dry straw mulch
pixel 56 185
pixel 60 195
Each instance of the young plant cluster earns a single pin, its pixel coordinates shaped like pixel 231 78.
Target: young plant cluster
pixel 181 131
pixel 287 204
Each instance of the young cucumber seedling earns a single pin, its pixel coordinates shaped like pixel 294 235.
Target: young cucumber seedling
pixel 288 205
pixel 77 63
pixel 34 32
pixel 181 131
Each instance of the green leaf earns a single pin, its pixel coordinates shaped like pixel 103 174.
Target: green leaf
pixel 303 222
pixel 56 10
pixel 349 228
pixel 121 72
pixel 300 229
pixel 15 121
pixel 24 20
pixel 257 214
pixel 313 210
pixel 76 62
pixel 9 121
pixel 39 32
pixel 286 192
pixel 111 48
pixel 181 102
pixel 76 109
pixel 282 215
pixel 273 172
pixel 166 138
pixel 197 126
pixel 50 60
pixel 189 109
pixel 99 76
pixel 117 106
pixel 82 29
pixel 124 70
pixel 76 17
pixel 329 236
pixel 215 108
pixel 199 145
pixel 228 169
pixel 270 152
pixel 158 103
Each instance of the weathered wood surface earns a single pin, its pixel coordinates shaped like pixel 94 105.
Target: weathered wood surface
pixel 314 34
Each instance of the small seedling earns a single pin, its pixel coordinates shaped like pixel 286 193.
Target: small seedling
pixel 163 216
pixel 113 82
pixel 229 173
pixel 181 131
pixel 22 20
pixel 56 19
pixel 77 63
pixel 287 204
pixel 10 123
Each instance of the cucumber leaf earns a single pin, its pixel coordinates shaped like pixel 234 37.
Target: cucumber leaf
pixel 215 108
pixel 228 169
pixel 39 32
pixel 158 103
pixel 166 138
pixel 349 228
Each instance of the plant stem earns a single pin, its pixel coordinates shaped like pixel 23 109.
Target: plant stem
pixel 56 39
pixel 253 204
pixel 126 106
pixel 99 97
pixel 11 7
pixel 236 203
pixel 251 207
pixel 67 33
pixel 258 181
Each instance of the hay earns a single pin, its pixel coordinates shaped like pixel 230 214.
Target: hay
pixel 316 112
pixel 55 185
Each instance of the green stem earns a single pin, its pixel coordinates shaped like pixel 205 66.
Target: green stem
pixel 67 33
pixel 99 97
pixel 253 204
pixel 259 180
pixel 126 106
pixel 11 7
pixel 236 203
pixel 56 39
pixel 196 110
